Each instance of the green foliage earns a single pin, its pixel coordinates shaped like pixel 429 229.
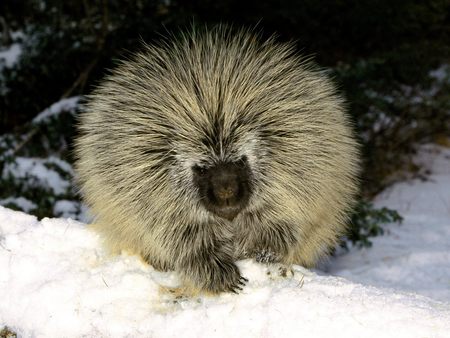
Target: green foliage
pixel 366 222
pixel 35 166
pixel 392 117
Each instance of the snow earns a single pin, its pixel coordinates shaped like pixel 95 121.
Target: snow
pixel 11 55
pixel 441 73
pixel 22 202
pixel 71 209
pixel 37 169
pixel 63 105
pixel 57 281
pixel 414 256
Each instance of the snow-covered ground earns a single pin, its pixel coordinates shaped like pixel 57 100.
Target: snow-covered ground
pixel 56 281
pixel 414 256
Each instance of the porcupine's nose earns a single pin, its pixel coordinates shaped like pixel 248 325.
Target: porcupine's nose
pixel 224 188
pixel 228 189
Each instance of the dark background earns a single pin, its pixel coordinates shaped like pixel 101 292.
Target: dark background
pixel 80 38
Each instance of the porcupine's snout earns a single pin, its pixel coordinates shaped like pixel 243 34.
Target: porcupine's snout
pixel 224 188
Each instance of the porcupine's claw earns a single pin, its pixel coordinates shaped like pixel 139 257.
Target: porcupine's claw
pixel 243 281
pixel 240 284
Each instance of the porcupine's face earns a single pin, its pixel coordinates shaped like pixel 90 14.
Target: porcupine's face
pixel 225 187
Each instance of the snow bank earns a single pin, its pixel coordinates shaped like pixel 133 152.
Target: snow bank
pixel 56 281
pixel 414 256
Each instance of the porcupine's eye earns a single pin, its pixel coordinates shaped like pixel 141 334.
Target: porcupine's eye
pixel 200 171
pixel 242 163
pixel 223 188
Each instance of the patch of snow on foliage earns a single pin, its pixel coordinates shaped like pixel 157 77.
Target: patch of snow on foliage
pixel 63 105
pixel 39 172
pixel 67 209
pixel 21 202
pixel 441 74
pixel 10 56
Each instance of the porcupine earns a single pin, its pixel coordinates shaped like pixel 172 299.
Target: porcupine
pixel 215 146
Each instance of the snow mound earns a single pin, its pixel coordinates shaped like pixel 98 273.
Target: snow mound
pixel 56 281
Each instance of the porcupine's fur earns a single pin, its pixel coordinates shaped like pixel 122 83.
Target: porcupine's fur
pixel 218 105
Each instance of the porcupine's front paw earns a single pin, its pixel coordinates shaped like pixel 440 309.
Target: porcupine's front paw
pixel 275 267
pixel 224 277
pixel 266 256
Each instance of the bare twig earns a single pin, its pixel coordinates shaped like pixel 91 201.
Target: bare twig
pixel 82 78
pixel 27 138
